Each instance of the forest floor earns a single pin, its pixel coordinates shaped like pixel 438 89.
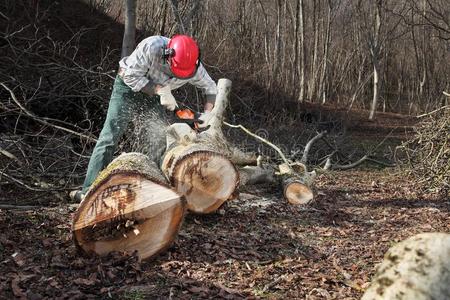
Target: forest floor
pixel 258 246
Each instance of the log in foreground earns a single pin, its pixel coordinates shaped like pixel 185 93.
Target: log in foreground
pixel 130 207
pixel 417 268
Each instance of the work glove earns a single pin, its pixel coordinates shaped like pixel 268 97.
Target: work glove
pixel 166 98
pixel 206 118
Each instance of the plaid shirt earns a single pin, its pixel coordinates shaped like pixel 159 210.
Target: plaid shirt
pixel 147 66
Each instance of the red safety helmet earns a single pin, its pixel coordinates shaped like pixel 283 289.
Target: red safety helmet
pixel 183 55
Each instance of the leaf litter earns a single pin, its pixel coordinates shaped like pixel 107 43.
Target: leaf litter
pixel 258 246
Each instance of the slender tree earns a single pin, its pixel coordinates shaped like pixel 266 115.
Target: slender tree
pixel 129 36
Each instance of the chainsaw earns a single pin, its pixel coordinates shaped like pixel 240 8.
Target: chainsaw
pixel 190 117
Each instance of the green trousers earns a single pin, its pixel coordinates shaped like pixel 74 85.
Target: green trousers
pixel 124 106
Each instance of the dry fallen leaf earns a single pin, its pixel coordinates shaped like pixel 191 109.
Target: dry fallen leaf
pixel 17 291
pixel 18 258
pixel 83 281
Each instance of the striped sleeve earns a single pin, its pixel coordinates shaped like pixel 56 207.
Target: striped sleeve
pixel 137 65
pixel 203 81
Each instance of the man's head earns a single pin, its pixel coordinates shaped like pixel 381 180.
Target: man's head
pixel 183 55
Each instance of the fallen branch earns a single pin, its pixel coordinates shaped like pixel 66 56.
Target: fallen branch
pixel 18 207
pixel 256 174
pixel 276 148
pixel 42 120
pixel 10 156
pixel 309 146
pixel 15 180
pixel 330 166
pixel 434 111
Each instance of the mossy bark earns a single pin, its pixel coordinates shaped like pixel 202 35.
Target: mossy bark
pixel 417 268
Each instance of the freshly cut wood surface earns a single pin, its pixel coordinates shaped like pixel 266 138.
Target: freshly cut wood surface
pixel 199 166
pixel 296 191
pixel 205 177
pixel 129 208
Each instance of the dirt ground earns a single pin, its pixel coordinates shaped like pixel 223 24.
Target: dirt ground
pixel 257 247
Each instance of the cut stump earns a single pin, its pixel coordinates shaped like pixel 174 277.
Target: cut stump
pixel 130 207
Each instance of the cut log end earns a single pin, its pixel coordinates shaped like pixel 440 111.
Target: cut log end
pixel 298 193
pixel 127 212
pixel 206 179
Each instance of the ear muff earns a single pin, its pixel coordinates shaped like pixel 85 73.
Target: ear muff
pixel 170 55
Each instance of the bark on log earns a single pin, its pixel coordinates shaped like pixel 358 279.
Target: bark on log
pixel 255 174
pixel 198 165
pixel 417 268
pixel 130 207
pixel 202 174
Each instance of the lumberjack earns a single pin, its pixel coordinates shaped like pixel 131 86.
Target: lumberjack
pixel 157 66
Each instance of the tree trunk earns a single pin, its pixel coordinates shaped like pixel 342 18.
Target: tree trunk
pixel 327 41
pixel 375 49
pixel 313 73
pixel 297 183
pixel 199 165
pixel 376 89
pixel 202 173
pixel 297 190
pixel 301 96
pixel 130 207
pixel 177 17
pixel 255 174
pixel 129 36
pixel 417 268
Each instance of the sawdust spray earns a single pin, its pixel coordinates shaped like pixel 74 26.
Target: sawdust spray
pixel 149 131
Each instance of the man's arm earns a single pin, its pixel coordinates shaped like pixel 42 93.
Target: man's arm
pixel 203 81
pixel 151 89
pixel 138 63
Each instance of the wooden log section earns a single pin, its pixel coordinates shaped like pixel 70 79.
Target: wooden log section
pixel 130 207
pixel 202 174
pixel 417 268
pixel 296 191
pixel 297 183
pixel 249 175
pixel 199 165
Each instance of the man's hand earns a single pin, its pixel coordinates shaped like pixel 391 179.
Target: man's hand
pixel 166 97
pixel 206 118
pixel 209 106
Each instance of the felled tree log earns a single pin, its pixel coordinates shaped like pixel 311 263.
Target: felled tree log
pixel 296 190
pixel 130 207
pixel 198 165
pixel 202 174
pixel 417 268
pixel 256 174
pixel 297 183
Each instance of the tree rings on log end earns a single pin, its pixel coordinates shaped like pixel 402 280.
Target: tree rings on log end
pixel 128 212
pixel 297 193
pixel 206 179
